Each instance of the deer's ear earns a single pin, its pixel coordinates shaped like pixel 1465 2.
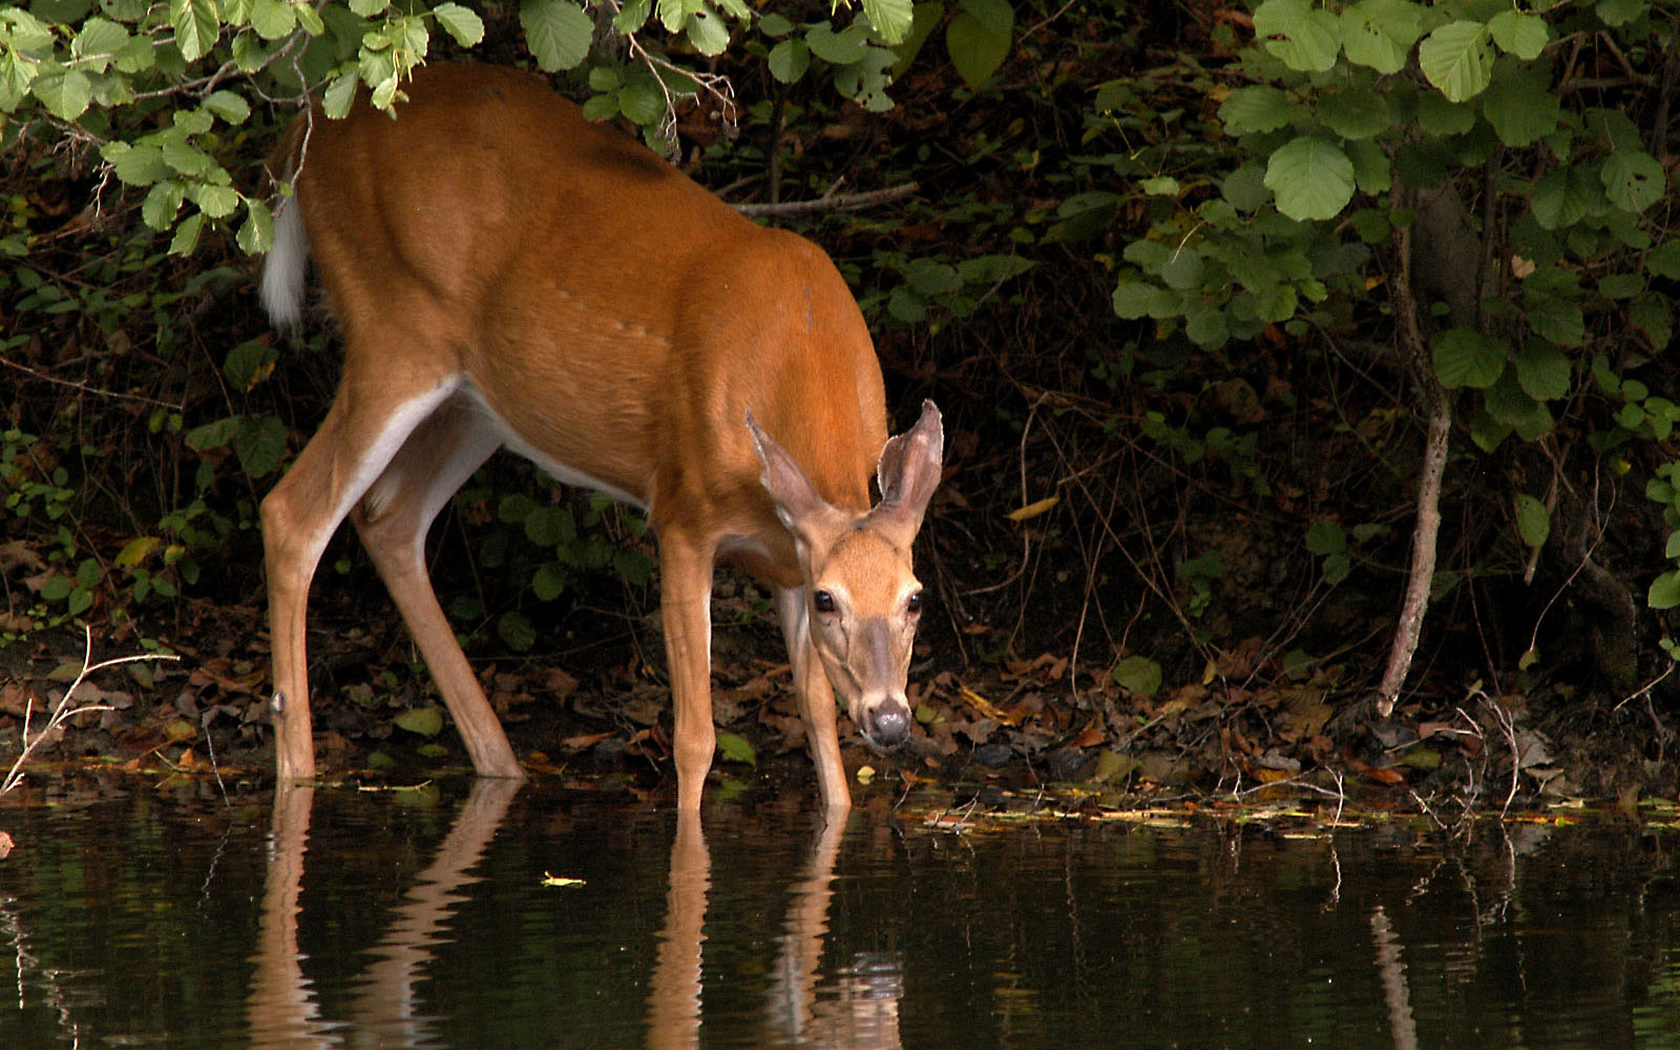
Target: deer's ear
pixel 800 508
pixel 908 472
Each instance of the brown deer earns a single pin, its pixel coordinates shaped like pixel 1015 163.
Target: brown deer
pixel 506 273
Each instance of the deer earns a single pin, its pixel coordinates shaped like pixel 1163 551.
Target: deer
pixel 505 273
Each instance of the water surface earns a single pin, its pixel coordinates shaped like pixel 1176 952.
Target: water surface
pixel 476 915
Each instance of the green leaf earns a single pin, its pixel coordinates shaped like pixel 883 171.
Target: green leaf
pixel 632 16
pixel 1523 35
pixel 230 107
pixel 707 32
pixel 1653 314
pixel 642 101
pixel 1380 33
pixel 1311 179
pixel 732 747
pixel 557 31
pixel 1534 525
pixel 260 444
pixel 1665 591
pixel 197 25
pixel 273 19
pixel 217 202
pixel 310 20
pixel 1556 318
pixel 1633 180
pixel 186 158
pixel 1543 370
pixel 891 19
pixel 1620 285
pixel 99 41
pixel 789 60
pixel 422 721
pixel 1373 171
pixel 1258 108
pixel 135 165
pixel 256 233
pixel 340 93
pixel 1205 324
pixel 1326 537
pixel 1245 188
pixel 1437 116
pixel 212 435
pixel 1521 106
pixel 1465 357
pixel 1133 299
pixel 1561 198
pixel 25 33
pixel 162 204
pixel 842 48
pixel 1507 402
pixel 926 17
pixel 1458 59
pixel 1304 37
pixel 1486 431
pixel 1617 13
pixel 1138 674
pixel 186 234
pixel 65 92
pixel 516 632
pixel 89 574
pixel 461 23
pixel 997 17
pixel 16 74
pixel 1355 113
pixel 978 40
pixel 550 580
pixel 246 363
pixel 1664 260
pixel 368 8
pixel 547 526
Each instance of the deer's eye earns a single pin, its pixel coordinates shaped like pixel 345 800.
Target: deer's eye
pixel 824 601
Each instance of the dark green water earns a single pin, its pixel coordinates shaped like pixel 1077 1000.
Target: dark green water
pixel 134 916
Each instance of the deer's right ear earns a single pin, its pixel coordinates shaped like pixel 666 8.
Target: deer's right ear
pixel 800 508
pixel 910 468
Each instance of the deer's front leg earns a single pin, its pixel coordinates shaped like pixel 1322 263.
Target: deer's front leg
pixel 816 699
pixel 686 609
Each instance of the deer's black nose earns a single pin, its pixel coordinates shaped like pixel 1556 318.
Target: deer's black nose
pixel 887 724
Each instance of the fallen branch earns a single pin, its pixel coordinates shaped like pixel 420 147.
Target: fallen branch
pixel 66 708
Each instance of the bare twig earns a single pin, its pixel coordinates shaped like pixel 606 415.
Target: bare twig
pixel 66 708
pixel 830 201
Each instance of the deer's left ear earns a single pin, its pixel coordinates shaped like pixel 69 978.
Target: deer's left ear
pixel 908 473
pixel 800 508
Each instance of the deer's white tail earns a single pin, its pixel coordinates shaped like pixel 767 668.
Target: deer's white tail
pixel 286 268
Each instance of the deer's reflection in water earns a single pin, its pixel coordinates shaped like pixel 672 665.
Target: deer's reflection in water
pixel 385 1011
pixel 855 1006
